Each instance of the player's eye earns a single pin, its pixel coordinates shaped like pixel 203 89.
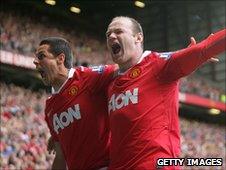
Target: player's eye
pixel 40 56
pixel 118 31
pixel 108 34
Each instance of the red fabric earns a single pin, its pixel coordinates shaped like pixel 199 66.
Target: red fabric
pixel 85 140
pixel 145 126
pixel 189 59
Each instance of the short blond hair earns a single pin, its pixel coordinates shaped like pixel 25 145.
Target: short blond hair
pixel 136 27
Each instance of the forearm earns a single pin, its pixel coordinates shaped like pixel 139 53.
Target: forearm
pixel 191 58
pixel 214 44
pixel 58 164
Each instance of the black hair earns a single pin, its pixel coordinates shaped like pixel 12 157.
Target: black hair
pixel 57 46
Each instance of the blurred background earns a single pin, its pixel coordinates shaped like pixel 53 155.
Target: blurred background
pixel 168 26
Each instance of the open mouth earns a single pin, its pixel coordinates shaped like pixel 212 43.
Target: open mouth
pixel 42 73
pixel 116 48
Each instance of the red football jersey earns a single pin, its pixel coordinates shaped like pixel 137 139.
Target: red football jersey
pixel 78 119
pixel 143 105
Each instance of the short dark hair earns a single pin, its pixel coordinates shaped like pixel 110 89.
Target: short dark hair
pixel 136 25
pixel 58 45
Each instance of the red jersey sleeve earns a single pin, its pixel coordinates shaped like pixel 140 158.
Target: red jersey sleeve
pixel 183 62
pixel 99 77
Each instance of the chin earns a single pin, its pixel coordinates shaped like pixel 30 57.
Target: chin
pixel 118 61
pixel 117 58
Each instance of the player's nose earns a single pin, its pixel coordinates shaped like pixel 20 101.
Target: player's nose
pixel 35 61
pixel 112 36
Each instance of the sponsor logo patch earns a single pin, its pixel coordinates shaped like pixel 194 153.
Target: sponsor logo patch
pixel 123 99
pixel 98 69
pixel 166 56
pixel 65 118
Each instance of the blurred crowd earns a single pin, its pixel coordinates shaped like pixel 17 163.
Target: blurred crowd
pixel 202 140
pixel 202 87
pixel 22 35
pixel 24 133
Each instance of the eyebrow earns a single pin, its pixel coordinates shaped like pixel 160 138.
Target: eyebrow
pixel 39 53
pixel 117 29
pixel 107 32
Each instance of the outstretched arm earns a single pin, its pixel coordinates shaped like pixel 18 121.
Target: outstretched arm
pixel 191 58
pixel 193 42
pixel 184 62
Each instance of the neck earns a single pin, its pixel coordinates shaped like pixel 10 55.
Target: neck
pixel 130 63
pixel 61 78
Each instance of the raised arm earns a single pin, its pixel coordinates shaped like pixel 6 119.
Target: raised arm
pixel 193 42
pixel 184 62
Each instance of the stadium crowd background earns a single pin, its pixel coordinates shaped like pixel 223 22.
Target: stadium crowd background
pixel 24 132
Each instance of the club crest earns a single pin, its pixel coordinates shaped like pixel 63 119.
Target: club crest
pixel 73 90
pixel 135 72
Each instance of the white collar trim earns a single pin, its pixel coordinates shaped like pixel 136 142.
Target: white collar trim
pixel 145 54
pixel 70 75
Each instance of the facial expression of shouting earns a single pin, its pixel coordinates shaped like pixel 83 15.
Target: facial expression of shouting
pixel 122 42
pixel 46 64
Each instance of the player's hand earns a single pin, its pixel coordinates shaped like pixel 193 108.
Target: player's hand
pixel 193 42
pixel 51 145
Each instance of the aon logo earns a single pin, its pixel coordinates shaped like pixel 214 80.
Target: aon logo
pixel 123 99
pixel 65 118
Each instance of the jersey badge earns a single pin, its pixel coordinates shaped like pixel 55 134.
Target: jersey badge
pixel 135 72
pixel 73 90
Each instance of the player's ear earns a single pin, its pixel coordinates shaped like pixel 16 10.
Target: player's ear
pixel 60 58
pixel 139 37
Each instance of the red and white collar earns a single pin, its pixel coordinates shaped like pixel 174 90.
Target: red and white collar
pixel 145 54
pixel 70 75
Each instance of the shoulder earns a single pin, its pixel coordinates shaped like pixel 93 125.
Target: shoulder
pixel 86 70
pixel 100 69
pixel 165 55
pixel 160 55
